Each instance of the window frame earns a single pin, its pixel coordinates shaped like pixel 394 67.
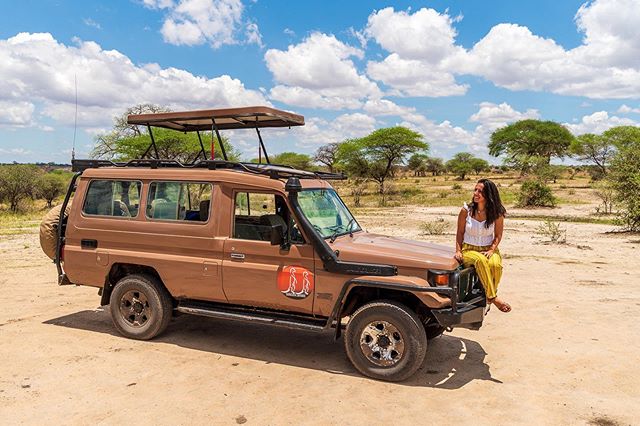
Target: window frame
pixel 292 216
pixel 188 182
pixel 106 216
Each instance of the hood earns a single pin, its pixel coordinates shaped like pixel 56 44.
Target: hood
pixel 375 248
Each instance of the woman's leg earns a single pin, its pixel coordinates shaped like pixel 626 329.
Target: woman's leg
pixel 495 265
pixel 481 263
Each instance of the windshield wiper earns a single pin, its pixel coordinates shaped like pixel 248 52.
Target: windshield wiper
pixel 347 228
pixel 350 227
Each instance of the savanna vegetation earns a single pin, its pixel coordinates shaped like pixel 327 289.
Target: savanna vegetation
pixel 392 167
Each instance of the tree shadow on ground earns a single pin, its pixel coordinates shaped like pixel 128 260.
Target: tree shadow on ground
pixel 451 362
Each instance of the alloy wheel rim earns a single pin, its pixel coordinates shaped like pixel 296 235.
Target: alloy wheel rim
pixel 382 343
pixel 135 309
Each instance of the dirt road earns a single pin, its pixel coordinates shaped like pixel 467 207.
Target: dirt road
pixel 567 354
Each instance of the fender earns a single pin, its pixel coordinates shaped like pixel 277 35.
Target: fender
pixel 433 297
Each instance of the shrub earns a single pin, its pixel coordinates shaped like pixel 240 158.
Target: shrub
pixel 605 193
pixel 552 231
pixel 535 193
pixel 50 186
pixel 17 182
pixel 435 227
pixel 456 186
pixel 625 180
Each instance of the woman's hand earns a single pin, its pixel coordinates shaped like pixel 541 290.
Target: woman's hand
pixel 458 256
pixel 488 253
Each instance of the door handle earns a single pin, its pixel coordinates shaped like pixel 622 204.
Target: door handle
pixel 238 256
pixel 89 244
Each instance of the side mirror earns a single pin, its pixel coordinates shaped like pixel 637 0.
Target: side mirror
pixel 277 235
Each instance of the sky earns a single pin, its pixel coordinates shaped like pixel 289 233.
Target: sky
pixel 454 71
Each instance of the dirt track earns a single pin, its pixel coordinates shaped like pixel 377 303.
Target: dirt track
pixel 567 354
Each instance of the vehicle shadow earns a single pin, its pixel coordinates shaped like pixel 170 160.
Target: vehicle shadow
pixel 451 362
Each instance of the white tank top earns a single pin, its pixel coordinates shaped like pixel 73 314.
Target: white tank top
pixel 475 233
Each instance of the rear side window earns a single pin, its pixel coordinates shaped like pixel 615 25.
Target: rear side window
pixel 180 201
pixel 119 198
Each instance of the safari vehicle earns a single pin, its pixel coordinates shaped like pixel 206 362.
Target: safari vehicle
pixel 261 243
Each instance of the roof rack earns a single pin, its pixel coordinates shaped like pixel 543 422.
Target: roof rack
pixel 274 171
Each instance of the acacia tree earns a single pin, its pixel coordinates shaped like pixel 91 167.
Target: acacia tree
pixel 326 155
pixel 461 164
pixel 17 182
pixel 128 141
pixel 376 155
pixel 293 159
pixel 50 186
pixel 435 166
pixel 595 149
pixel 530 143
pixel 624 177
pixel 418 164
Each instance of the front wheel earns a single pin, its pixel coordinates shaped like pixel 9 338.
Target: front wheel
pixel 140 307
pixel 385 340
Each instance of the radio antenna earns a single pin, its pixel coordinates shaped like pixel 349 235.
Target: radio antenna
pixel 75 120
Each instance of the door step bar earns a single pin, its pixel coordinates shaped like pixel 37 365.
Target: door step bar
pixel 253 315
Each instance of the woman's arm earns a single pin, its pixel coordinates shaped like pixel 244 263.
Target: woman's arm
pixel 497 236
pixel 462 222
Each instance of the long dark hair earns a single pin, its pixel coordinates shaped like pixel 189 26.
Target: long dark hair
pixel 493 206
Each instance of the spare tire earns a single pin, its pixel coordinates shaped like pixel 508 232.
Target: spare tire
pixel 49 230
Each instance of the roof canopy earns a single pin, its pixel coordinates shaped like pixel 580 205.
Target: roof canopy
pixel 230 118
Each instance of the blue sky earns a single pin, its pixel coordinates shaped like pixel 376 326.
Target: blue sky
pixel 453 70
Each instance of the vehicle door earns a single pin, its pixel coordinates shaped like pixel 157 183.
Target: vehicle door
pixel 257 273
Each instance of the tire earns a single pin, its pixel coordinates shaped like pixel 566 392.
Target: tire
pixel 140 306
pixel 385 340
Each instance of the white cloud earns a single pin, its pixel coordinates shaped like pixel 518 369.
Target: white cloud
pixel 319 131
pixel 15 151
pixel 598 122
pixel 425 35
pixel 625 109
pixel 16 113
pixel 409 77
pixel 39 68
pixel 322 64
pixel 216 22
pixel 91 23
pixel 380 107
pixel 423 52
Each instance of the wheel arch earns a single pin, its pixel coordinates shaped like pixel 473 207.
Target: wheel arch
pixel 359 291
pixel 119 270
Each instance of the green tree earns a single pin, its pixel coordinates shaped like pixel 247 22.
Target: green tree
pixel 326 155
pixel 127 141
pixel 435 166
pixel 623 136
pixel 595 149
pixel 478 165
pixel 295 160
pixel 376 155
pixel 17 182
pixel 418 164
pixel 530 143
pixel 624 177
pixel 50 186
pixel 461 164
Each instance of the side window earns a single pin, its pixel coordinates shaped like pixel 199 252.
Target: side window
pixel 119 198
pixel 184 201
pixel 256 213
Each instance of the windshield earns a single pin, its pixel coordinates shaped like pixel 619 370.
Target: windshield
pixel 326 212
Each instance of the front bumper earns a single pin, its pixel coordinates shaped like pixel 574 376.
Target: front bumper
pixel 465 314
pixel 471 304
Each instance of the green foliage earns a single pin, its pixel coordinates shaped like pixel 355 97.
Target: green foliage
pixel 435 166
pixel 478 165
pixel 624 178
pixel 127 141
pixel 461 164
pixel 295 160
pixel 418 164
pixel 435 227
pixel 530 142
pixel 595 149
pixel 376 155
pixel 50 186
pixel 552 231
pixel 17 182
pixel 534 193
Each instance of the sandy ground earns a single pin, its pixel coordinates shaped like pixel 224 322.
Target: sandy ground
pixel 567 354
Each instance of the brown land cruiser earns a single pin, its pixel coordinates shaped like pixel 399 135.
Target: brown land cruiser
pixel 254 242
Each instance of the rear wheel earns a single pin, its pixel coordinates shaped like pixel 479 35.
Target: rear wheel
pixel 385 340
pixel 140 307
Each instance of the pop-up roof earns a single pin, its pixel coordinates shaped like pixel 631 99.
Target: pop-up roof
pixel 222 119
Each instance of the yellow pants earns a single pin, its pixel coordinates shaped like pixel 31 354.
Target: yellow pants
pixel 489 270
